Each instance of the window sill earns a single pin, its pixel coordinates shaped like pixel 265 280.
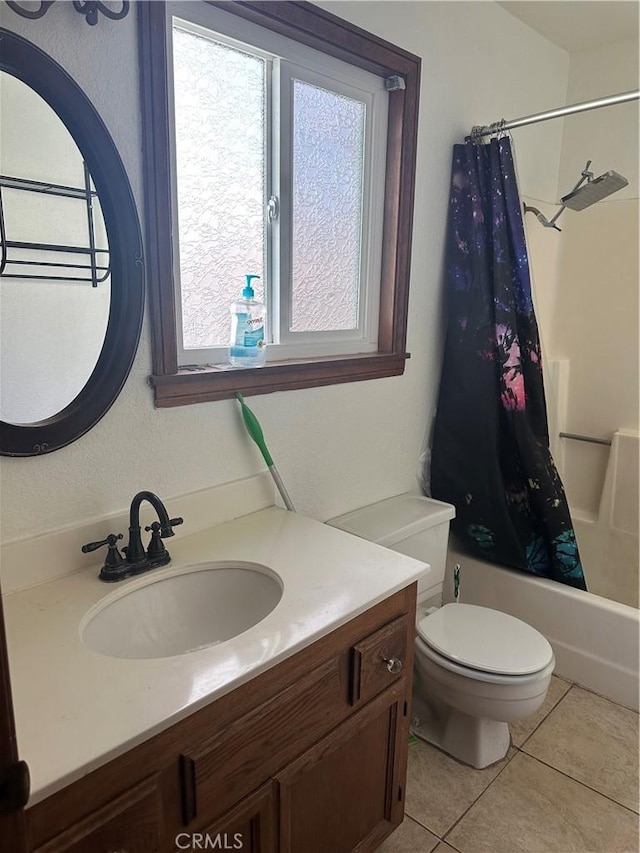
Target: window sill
pixel 206 384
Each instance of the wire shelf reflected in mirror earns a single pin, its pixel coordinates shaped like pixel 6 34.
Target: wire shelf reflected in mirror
pixel 53 261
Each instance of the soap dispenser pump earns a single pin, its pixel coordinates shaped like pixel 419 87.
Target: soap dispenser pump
pixel 248 348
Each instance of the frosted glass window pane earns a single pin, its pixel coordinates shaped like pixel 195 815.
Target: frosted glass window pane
pixel 328 157
pixel 220 158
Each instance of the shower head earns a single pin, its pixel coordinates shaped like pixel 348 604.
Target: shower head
pixel 583 195
pixel 595 190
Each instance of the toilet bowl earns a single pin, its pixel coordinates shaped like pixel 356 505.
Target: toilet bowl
pixel 476 669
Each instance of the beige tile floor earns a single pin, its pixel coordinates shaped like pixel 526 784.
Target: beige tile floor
pixel 569 784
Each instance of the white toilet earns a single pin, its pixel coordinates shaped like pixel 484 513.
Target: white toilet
pixel 476 669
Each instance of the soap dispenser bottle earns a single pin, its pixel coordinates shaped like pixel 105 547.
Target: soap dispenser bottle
pixel 248 348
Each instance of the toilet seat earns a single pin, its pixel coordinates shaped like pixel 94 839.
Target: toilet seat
pixel 480 641
pixel 479 675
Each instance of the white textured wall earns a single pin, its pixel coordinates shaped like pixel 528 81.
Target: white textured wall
pixel 338 447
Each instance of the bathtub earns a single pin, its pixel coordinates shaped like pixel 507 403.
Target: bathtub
pixel 595 640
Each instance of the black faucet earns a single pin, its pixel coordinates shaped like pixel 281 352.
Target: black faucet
pixel 135 552
pixel 137 559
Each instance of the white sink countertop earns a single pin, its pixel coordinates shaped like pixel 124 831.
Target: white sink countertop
pixel 76 709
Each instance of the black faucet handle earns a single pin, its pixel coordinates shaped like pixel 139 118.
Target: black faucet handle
pixel 111 540
pixel 156 549
pixel 157 528
pixel 114 561
pixel 168 531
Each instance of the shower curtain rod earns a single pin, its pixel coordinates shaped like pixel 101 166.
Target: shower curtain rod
pixel 499 126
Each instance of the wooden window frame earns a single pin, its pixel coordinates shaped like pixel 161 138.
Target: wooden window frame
pixel 312 26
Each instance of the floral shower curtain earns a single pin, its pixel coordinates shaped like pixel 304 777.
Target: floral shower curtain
pixel 490 450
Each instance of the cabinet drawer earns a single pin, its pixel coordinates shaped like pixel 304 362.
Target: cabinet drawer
pixel 254 747
pixel 129 824
pixel 379 660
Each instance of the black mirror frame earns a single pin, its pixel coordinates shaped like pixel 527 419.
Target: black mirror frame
pixel 28 63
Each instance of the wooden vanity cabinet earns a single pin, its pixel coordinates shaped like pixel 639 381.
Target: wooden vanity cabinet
pixel 309 757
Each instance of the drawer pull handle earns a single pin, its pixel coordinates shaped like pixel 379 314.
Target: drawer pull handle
pixel 394 665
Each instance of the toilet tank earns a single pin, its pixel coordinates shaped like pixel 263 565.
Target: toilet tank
pixel 411 524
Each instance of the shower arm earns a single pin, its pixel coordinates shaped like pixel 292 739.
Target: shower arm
pixel 586 176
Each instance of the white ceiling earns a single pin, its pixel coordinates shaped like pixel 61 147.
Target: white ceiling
pixel 578 24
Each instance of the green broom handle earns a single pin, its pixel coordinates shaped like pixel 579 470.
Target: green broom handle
pixel 255 431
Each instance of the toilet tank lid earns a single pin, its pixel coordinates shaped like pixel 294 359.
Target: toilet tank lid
pixel 392 520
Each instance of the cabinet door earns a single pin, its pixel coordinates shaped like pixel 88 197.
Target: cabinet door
pixel 249 827
pixel 347 792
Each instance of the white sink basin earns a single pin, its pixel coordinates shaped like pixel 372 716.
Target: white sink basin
pixel 196 607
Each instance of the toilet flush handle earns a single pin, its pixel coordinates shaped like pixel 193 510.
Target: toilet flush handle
pixel 394 665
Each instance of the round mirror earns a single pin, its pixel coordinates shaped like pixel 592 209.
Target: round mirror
pixel 71 273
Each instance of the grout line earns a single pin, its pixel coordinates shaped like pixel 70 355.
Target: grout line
pixel 419 822
pixel 546 716
pixel 482 793
pixel 452 846
pixel 407 816
pixel 579 782
pixel 602 696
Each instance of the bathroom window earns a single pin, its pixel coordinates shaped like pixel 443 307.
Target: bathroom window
pixel 279 167
pixel 289 155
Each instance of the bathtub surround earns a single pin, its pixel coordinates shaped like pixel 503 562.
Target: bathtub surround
pixel 608 536
pixel 490 452
pixel 597 303
pixel 586 284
